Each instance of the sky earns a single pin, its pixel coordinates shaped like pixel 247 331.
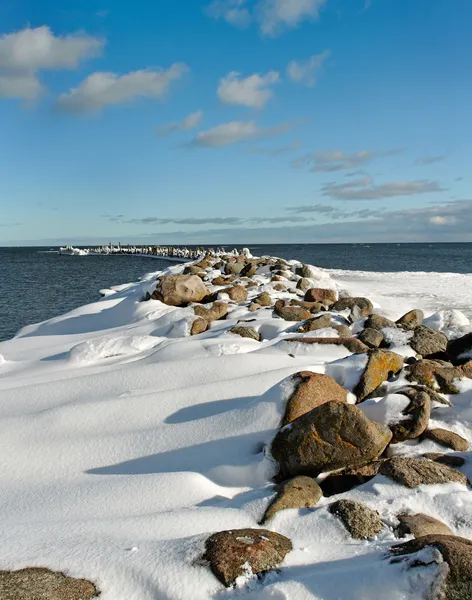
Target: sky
pixel 235 121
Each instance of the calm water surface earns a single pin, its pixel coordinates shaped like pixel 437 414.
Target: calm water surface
pixel 36 285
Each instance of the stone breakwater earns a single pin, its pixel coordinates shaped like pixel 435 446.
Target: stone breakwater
pixel 370 418
pixel 178 253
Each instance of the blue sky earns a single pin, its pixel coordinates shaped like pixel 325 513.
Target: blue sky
pixel 232 121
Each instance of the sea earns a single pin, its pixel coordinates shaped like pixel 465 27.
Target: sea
pixel 38 283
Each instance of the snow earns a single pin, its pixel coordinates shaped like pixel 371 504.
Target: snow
pixel 126 443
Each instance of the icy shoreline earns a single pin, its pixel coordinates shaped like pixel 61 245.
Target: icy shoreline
pixel 128 442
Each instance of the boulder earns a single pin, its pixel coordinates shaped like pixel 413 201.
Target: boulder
pixel 237 293
pixel 279 287
pixel 447 438
pixel 293 313
pixel 304 284
pixel 435 374
pixel 371 337
pixel 234 268
pixel 377 322
pixel 180 290
pixel 254 306
pixel 434 396
pixel 418 413
pixel 240 552
pixel 461 348
pixel 222 280
pixel 361 521
pixel 299 492
pixel 315 323
pixel 343 330
pixel 412 472
pixel 381 365
pixel 205 263
pixel 263 299
pixel 249 270
pixel 346 479
pixel 352 344
pixel 453 582
pixel 445 459
pixel 358 307
pixel 321 295
pixel 411 320
pixel 305 271
pixel 219 310
pixel 199 326
pixel 194 270
pixel 311 390
pixel 427 342
pixel 34 583
pixel 420 525
pixel 313 307
pixel 332 436
pixel 246 332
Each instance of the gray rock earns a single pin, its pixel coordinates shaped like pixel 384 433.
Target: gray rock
pixel 411 320
pixel 300 492
pixel 420 525
pixel 412 472
pixel 447 438
pixel 230 553
pixel 180 290
pixel 293 313
pixel 246 332
pixel 371 337
pixel 361 521
pixel 426 341
pixel 359 307
pixel 445 459
pixel 315 323
pixel 377 322
pixel 418 413
pixel 42 584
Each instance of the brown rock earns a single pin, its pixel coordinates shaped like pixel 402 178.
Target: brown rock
pixel 352 344
pixel 313 307
pixel 343 330
pixel 237 293
pixel 359 307
pixel 371 337
pixel 293 313
pixel 230 553
pixel 264 299
pixel 411 320
pixel 445 459
pixel 321 295
pixel 35 583
pixel 194 270
pixel 381 365
pixel 279 287
pixel 426 341
pixel 254 306
pixel 377 322
pixel 299 492
pixel 420 525
pixel 219 310
pixel 455 582
pixel 436 375
pixel 222 280
pixel 332 436
pixel 447 438
pixel 180 290
pixel 311 390
pixel 246 332
pixel 418 413
pixel 304 284
pixel 412 472
pixel 315 323
pixel 234 268
pixel 361 521
pixel 199 326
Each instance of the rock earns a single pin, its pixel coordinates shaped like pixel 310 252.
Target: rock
pixel 361 521
pixel 343 330
pixel 332 436
pixel 411 320
pixel 447 438
pixel 321 295
pixel 371 337
pixel 35 583
pixel 377 322
pixel 234 268
pixel 313 307
pixel 437 375
pixel 459 347
pixel 194 270
pixel 219 310
pixel 306 271
pixel 352 344
pixel 264 299
pixel 381 365
pixel 205 263
pixel 426 341
pixel 237 293
pixel 222 280
pixel 293 313
pixel 412 472
pixel 304 284
pixel 346 479
pixel 434 396
pixel 315 323
pixel 248 270
pixel 279 287
pixel 359 307
pixel 420 525
pixel 254 306
pixel 231 554
pixel 180 290
pixel 418 413
pixel 246 332
pixel 299 492
pixel 445 459
pixel 311 390
pixel 453 582
pixel 199 326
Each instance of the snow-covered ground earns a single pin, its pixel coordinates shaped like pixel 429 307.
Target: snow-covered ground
pixel 126 443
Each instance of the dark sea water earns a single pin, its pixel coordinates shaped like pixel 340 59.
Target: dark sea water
pixel 36 285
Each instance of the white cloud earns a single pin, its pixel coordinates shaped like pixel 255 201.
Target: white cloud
pixel 235 132
pixel 442 220
pixel 102 89
pixel 272 16
pixel 20 85
pixel 190 122
pixel 364 189
pixel 253 91
pixel 305 72
pixel 36 49
pixel 335 160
